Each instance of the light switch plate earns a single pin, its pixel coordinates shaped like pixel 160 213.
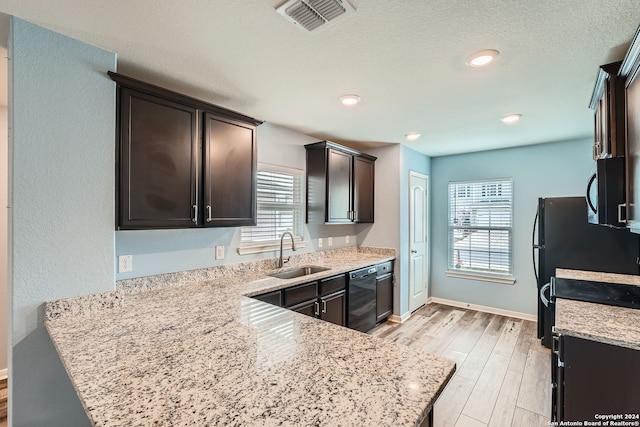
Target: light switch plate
pixel 125 264
pixel 346 239
pixel 219 252
pixel 330 241
pixel 320 242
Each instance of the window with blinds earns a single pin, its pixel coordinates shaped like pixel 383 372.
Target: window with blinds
pixel 481 228
pixel 279 203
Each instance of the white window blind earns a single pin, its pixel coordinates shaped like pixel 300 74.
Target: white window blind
pixel 279 204
pixel 481 227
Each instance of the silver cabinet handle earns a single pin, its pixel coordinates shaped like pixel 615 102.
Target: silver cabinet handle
pixel 620 206
pixel 209 219
pixel 324 307
pixel 317 308
pixel 195 214
pixel 596 150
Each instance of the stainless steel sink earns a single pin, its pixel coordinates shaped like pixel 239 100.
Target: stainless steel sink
pixel 299 271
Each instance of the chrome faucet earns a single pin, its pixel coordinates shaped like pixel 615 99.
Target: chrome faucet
pixel 281 262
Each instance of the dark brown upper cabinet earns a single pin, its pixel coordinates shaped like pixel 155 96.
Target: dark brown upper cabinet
pixel 607 100
pixel 158 162
pixel 363 187
pixel 229 171
pixel 340 184
pixel 182 162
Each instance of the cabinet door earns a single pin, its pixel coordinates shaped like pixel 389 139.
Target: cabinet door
pixel 229 172
pixel 597 130
pixel 384 297
pixel 339 187
pixel 333 308
pixel 598 379
pixel 363 189
pixel 309 308
pixel 633 153
pixel 158 170
pixel 274 298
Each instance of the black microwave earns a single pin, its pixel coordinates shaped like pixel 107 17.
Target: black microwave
pixel 606 193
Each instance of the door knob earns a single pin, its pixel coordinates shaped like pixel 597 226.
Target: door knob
pixel 413 251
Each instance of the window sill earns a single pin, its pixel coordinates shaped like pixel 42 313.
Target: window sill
pixel 505 280
pixel 269 246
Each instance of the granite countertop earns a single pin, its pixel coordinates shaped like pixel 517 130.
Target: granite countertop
pixel 198 352
pixel 596 276
pixel 598 322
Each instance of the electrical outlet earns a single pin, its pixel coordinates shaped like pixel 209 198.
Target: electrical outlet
pixel 330 241
pixel 346 239
pixel 125 264
pixel 320 242
pixel 219 252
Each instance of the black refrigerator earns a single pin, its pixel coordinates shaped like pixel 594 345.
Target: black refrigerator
pixel 565 239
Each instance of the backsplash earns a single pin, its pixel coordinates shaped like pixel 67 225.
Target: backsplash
pixel 249 268
pixel 86 304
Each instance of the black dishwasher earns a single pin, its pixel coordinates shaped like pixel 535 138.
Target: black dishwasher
pixel 362 299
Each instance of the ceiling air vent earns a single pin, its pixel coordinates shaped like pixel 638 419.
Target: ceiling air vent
pixel 313 15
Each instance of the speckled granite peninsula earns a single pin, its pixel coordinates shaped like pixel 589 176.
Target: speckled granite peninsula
pixel 191 349
pixel 599 322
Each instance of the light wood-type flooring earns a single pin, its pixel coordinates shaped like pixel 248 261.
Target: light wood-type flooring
pixel 503 374
pixel 3 402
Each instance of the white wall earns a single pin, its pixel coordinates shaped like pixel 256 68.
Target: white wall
pixel 545 170
pixel 62 119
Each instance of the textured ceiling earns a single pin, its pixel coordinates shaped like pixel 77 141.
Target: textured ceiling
pixel 405 58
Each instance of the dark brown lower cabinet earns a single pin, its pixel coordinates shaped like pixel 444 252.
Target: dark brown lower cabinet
pixel 384 297
pixel 274 298
pixel 333 308
pixel 593 378
pixel 308 308
pixel 330 308
pixel 384 291
pixel 325 299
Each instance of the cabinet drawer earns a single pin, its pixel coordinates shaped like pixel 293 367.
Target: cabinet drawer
pixel 300 293
pixel 332 284
pixel 385 268
pixel 274 298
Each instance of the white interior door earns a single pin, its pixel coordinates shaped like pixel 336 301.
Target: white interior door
pixel 418 248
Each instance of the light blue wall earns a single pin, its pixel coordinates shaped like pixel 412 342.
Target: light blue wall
pixel 62 130
pixel 385 231
pixel 391 227
pixel 546 170
pixel 164 251
pixel 411 161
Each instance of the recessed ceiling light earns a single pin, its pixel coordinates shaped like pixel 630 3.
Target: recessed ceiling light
pixel 412 136
pixel 481 58
pixel 511 118
pixel 350 100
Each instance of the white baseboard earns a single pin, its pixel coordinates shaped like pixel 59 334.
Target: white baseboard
pixel 399 319
pixel 4 374
pixel 485 309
